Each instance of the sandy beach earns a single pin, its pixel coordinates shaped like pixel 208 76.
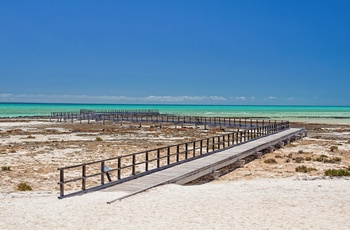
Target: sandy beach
pixel 259 195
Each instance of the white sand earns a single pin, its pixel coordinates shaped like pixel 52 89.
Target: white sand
pixel 256 204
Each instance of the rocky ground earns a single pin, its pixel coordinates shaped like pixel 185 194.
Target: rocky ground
pixel 32 150
pixel 326 147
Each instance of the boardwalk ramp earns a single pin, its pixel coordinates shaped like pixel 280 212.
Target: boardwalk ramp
pixel 191 170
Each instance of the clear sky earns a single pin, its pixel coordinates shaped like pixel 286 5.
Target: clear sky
pixel 290 52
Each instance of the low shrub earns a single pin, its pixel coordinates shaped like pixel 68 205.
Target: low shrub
pixel 301 168
pixel 270 161
pixel 278 156
pixel 30 137
pixel 320 159
pixel 308 158
pixel 99 139
pixel 6 168
pixel 301 151
pixel 333 148
pixel 337 172
pixel 299 159
pixel 337 159
pixel 333 160
pixel 304 169
pixel 24 187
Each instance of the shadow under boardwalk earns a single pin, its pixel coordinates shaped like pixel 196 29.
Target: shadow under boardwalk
pixel 191 170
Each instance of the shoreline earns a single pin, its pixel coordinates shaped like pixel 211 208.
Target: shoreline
pixel 332 120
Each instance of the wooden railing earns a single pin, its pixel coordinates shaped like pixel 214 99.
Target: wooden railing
pixel 154 116
pixel 85 114
pixel 91 176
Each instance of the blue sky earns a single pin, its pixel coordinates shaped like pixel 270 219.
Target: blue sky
pixel 184 52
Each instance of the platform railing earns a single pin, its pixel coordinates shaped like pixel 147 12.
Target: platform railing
pixel 92 176
pixel 153 116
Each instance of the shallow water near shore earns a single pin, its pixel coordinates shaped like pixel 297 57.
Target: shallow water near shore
pixel 311 114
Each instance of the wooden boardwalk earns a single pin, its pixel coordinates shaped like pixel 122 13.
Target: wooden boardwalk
pixel 191 170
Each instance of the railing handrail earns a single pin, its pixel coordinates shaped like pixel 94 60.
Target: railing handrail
pixel 234 138
pixel 137 153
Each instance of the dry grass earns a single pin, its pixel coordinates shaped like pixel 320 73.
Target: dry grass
pixel 270 161
pixel 6 168
pixel 333 148
pixel 24 187
pixel 304 169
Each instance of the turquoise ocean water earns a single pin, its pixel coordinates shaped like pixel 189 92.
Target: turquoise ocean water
pixel 328 114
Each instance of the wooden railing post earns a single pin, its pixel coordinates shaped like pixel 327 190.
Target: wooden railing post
pixel 61 183
pixel 119 166
pixel 207 144
pixel 146 167
pixel 213 146
pixel 168 158
pixel 133 164
pixel 102 172
pixel 194 148
pixel 83 181
pixel 158 156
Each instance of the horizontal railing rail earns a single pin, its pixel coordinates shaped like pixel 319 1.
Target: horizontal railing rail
pixel 91 175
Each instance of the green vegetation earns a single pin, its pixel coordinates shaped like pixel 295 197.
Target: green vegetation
pixel 24 187
pixel 99 139
pixel 325 159
pixel 304 169
pixel 270 161
pixel 333 160
pixel 337 159
pixel 336 172
pixel 6 168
